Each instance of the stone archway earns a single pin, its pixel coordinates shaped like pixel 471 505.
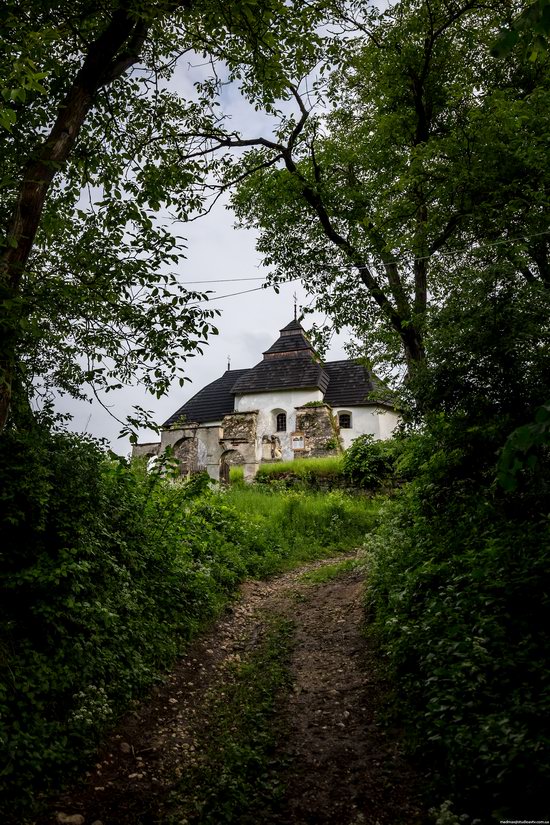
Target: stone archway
pixel 229 458
pixel 186 453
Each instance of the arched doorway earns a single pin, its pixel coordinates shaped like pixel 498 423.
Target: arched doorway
pixel 186 453
pixel 230 458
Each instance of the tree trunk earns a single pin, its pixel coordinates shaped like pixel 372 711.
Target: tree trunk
pixel 108 57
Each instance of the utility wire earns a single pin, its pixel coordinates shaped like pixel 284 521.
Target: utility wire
pixel 420 258
pixel 244 292
pixel 354 266
pixel 227 280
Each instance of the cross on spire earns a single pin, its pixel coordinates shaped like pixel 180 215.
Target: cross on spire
pixel 228 362
pixel 295 305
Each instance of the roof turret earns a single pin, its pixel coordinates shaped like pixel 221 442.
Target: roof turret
pixel 289 363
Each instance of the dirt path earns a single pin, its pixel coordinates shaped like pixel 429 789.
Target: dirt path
pixel 337 763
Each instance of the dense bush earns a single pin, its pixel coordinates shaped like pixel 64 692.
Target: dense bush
pixel 105 572
pixel 369 463
pixel 458 598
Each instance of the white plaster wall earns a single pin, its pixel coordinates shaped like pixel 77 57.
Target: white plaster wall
pixel 387 422
pixel 364 421
pixel 281 400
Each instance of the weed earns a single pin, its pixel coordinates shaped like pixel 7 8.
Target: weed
pixel 292 527
pixel 329 467
pixel 235 779
pixel 328 572
pixel 236 475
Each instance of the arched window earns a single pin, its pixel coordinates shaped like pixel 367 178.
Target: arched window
pixel 281 422
pixel 344 421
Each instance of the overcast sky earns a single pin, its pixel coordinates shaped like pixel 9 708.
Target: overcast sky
pixel 248 324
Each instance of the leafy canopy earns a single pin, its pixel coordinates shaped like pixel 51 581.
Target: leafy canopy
pixel 91 258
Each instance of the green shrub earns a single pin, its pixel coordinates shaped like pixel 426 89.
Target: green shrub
pixel 369 463
pixel 105 572
pixel 458 599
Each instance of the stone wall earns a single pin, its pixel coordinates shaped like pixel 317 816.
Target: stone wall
pixel 240 427
pixel 187 453
pixel 239 433
pixel 321 435
pixel 149 449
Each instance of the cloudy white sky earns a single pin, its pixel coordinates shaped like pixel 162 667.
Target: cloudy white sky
pixel 248 323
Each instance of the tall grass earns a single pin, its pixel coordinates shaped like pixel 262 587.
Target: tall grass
pixel 236 475
pixel 303 468
pixel 296 526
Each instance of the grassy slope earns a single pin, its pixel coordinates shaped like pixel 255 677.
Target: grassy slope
pixel 303 467
pixel 294 527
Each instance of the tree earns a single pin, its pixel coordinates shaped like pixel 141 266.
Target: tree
pixel 415 151
pixel 88 295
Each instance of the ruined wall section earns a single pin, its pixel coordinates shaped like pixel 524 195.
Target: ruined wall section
pixel 239 433
pixel 321 433
pixel 148 450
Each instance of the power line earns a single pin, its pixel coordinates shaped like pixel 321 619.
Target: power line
pixel 448 254
pixel 231 295
pixel 244 292
pixel 339 268
pixel 226 280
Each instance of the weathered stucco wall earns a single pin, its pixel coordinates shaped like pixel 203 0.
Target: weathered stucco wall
pixel 268 405
pixel 320 432
pixel 240 435
pixel 170 437
pixel 148 449
pixel 387 422
pixel 363 420
pixel 209 437
pixel 378 422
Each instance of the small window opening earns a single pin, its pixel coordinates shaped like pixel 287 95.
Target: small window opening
pixel 344 420
pixel 281 422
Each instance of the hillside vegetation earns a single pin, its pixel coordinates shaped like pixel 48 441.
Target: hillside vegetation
pixel 107 572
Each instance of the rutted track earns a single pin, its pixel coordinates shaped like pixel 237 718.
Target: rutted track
pixel 342 767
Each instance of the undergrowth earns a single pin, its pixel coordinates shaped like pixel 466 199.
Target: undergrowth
pixel 302 468
pixel 106 572
pixel 458 600
pixel 297 526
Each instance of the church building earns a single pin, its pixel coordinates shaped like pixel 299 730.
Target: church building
pixel 290 405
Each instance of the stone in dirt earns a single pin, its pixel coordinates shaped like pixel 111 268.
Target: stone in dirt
pixel 70 819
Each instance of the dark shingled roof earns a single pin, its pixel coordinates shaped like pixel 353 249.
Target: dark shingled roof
pixel 282 374
pixel 289 364
pixel 211 403
pixel 292 343
pixel 291 339
pixel 349 384
pixel 293 325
